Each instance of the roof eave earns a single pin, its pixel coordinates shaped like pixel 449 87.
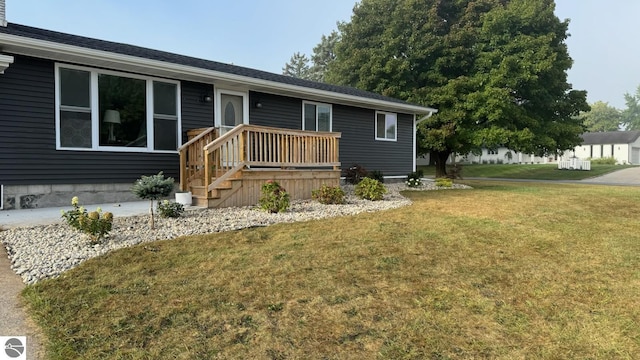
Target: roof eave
pixel 64 52
pixel 5 61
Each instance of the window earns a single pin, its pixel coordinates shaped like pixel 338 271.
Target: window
pixel 316 116
pixel 104 110
pixel 386 126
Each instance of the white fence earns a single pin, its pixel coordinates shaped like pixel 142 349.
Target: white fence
pixel 574 164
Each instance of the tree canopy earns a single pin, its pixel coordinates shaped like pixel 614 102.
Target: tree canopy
pixel 631 115
pixel 601 117
pixel 323 55
pixel 495 70
pixel 298 66
pixel 301 66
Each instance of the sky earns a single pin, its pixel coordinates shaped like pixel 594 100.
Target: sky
pixel 263 34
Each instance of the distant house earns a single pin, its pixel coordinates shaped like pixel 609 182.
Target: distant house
pixel 81 116
pixel 624 146
pixel 500 155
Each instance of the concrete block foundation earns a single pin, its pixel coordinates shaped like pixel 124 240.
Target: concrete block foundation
pixel 42 196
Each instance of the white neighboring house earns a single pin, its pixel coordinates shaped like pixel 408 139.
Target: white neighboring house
pixel 500 155
pixel 624 146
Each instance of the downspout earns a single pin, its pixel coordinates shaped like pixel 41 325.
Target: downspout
pixel 415 136
pixel 3 19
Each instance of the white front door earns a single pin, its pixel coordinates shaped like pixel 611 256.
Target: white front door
pixel 232 110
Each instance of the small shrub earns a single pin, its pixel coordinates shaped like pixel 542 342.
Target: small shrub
pixel 96 224
pixel 370 189
pixel 414 179
pixel 603 161
pixel 328 195
pixel 151 188
pixel 274 197
pixel 444 182
pixel 377 175
pixel 355 174
pixel 170 209
pixel 499 161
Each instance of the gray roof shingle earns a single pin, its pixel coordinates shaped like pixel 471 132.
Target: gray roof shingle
pixel 141 52
pixel 610 137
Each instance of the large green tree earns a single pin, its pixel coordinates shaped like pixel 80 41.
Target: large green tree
pixel 631 115
pixel 601 117
pixel 495 69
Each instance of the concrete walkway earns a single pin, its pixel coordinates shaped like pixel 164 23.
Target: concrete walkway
pixel 13 318
pixel 45 216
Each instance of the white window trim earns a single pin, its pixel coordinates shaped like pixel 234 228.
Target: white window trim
pixel 95 117
pixel 304 102
pixel 375 123
pixel 218 105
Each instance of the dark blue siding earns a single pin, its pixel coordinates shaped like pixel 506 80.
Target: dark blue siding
pixel 276 111
pixel 27 134
pixel 359 146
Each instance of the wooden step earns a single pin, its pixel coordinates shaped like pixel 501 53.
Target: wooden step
pixel 198 190
pixel 218 195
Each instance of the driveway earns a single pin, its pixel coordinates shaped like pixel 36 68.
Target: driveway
pixel 628 176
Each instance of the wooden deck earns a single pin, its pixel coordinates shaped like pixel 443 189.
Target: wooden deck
pixel 229 170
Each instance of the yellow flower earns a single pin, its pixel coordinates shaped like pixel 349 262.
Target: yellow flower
pixel 107 216
pixel 94 215
pixel 75 201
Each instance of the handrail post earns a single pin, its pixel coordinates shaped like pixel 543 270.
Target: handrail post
pixel 207 173
pixel 183 169
pixel 241 145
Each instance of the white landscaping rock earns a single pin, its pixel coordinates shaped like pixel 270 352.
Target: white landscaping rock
pixel 46 251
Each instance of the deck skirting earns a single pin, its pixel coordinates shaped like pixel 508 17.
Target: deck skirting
pixel 298 183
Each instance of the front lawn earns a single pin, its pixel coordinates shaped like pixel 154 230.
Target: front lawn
pixel 504 271
pixel 528 171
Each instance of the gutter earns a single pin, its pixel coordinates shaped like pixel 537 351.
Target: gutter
pixel 430 114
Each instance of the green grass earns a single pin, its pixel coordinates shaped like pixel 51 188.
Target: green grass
pixel 504 271
pixel 529 171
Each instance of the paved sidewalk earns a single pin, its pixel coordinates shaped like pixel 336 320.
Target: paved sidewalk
pixel 45 216
pixel 13 318
pixel 628 176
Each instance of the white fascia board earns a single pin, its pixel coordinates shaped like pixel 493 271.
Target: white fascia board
pixel 5 61
pixel 18 42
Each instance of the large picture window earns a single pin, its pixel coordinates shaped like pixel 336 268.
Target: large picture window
pixel 103 110
pixel 316 116
pixel 386 126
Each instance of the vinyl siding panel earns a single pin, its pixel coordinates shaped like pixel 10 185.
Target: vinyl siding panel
pixel 27 134
pixel 358 144
pixel 277 111
pixel 195 112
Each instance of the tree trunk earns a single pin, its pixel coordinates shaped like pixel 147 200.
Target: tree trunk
pixel 432 158
pixel 440 158
pixel 151 222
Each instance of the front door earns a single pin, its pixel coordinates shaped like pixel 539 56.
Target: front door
pixel 231 111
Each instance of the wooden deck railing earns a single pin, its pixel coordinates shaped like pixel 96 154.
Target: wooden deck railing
pixel 257 146
pixel 192 157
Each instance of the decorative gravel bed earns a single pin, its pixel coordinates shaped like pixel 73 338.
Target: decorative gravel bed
pixel 46 251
